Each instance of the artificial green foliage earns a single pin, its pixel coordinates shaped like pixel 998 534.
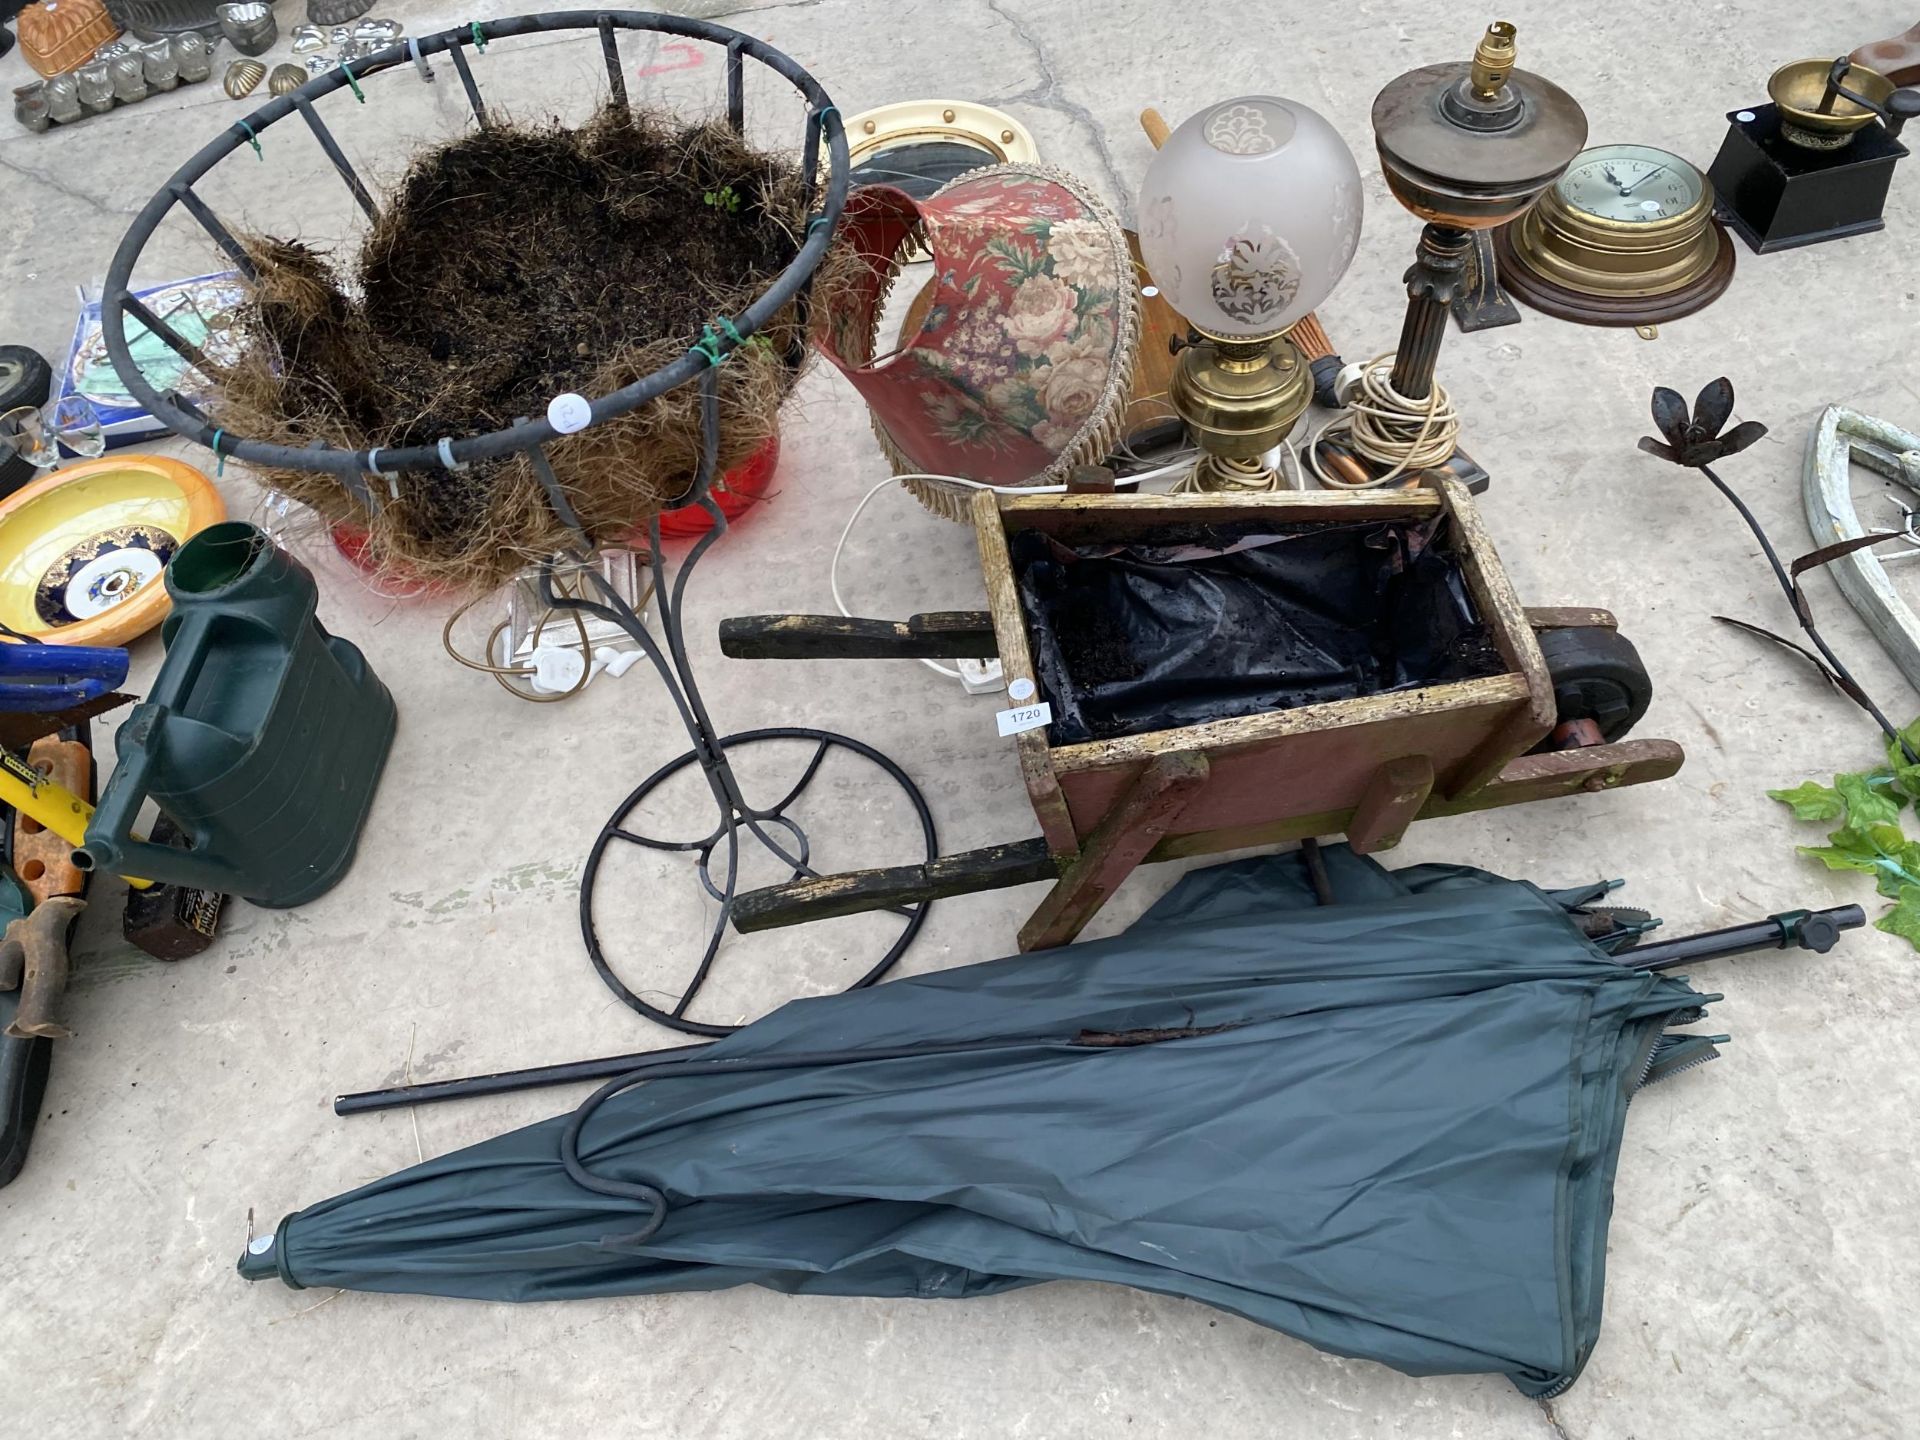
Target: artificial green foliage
pixel 1869 839
pixel 1812 801
pixel 1906 778
pixel 1871 798
pixel 1881 851
pixel 1904 918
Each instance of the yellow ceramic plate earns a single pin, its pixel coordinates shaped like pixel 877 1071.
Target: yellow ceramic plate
pixel 82 551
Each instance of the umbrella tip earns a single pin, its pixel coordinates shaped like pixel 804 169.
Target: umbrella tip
pixel 258 1261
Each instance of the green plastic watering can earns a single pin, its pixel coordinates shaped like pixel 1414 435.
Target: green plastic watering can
pixel 263 736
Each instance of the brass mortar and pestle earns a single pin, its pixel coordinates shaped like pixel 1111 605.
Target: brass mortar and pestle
pixel 1825 104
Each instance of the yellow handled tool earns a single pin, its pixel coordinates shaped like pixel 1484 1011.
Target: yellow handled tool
pixel 54 806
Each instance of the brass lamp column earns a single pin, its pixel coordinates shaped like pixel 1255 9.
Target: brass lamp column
pixel 1239 398
pixel 1466 146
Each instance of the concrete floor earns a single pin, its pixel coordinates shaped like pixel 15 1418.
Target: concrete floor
pixel 1763 1249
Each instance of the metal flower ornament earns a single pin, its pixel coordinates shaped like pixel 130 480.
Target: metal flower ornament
pixel 1867 804
pixel 1696 441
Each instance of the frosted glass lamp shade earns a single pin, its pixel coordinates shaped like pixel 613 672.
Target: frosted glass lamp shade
pixel 1249 215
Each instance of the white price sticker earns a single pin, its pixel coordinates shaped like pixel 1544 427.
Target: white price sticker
pixel 569 413
pixel 1024 717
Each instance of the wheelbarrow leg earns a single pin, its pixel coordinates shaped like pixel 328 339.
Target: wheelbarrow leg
pixel 1118 844
pixel 1392 798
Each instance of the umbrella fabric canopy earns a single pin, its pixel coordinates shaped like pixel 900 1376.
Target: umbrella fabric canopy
pixel 1387 1126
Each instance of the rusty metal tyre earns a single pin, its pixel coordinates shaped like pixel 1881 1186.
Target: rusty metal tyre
pixel 25 379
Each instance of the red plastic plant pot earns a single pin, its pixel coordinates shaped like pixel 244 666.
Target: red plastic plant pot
pixel 351 542
pixel 740 490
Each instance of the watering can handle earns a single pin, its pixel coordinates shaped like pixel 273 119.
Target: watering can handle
pixel 175 682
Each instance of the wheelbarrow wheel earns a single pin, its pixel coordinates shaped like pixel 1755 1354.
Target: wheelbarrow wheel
pixel 1597 675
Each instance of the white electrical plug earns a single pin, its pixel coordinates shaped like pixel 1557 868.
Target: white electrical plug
pixel 981 677
pixel 557 669
pixel 1347 379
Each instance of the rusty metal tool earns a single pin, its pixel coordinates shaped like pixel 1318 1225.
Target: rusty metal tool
pixel 49 804
pixel 169 922
pixel 33 960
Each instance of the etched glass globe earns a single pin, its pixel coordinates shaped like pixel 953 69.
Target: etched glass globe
pixel 1249 215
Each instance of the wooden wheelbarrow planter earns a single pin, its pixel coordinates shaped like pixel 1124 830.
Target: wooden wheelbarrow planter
pixel 1365 768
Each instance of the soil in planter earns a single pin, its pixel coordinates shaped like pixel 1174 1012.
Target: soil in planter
pixel 1211 623
pixel 508 266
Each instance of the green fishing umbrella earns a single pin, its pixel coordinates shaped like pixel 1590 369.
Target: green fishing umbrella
pixel 1386 1125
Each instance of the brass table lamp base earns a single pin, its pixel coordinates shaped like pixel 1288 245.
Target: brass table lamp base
pixel 1240 399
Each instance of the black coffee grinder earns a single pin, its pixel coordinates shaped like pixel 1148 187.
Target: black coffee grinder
pixel 1816 162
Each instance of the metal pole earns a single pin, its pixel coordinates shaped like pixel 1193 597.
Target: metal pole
pixel 500 1082
pixel 1816 930
pixel 1438 274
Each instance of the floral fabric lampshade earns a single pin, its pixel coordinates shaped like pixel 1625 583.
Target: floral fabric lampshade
pixel 1020 369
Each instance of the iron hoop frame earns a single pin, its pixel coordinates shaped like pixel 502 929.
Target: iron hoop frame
pixel 184 418
pixel 530 436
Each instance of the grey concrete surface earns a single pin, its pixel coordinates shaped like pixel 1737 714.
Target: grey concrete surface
pixel 1762 1263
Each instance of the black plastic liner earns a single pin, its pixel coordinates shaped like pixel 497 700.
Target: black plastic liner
pixel 1211 622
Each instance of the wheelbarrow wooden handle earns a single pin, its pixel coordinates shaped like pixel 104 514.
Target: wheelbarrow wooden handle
pixel 939 635
pixel 994 868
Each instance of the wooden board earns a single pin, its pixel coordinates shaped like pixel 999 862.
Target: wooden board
pixel 1568 772
pixel 1151 806
pixel 1389 804
pixel 1506 619
pixel 936 635
pixel 853 892
pixel 1531 777
pixel 1016 663
pixel 1569 617
pixel 1078 519
pixel 1315 758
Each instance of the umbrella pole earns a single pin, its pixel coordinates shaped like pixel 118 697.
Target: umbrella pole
pixel 501 1082
pixel 1816 930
